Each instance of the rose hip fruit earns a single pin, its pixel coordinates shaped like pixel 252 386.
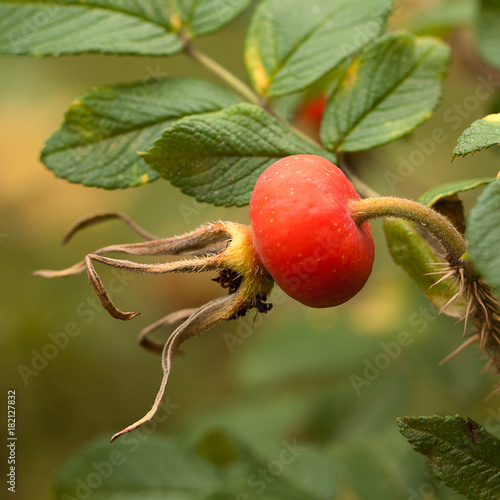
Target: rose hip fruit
pixel 304 234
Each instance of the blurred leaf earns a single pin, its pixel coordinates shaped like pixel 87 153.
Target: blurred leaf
pixel 41 28
pixel 483 233
pixel 201 17
pixel 414 255
pixel 162 468
pixel 459 451
pixel 291 44
pixel 301 348
pixel 217 157
pixel 134 469
pixel 315 472
pixel 387 91
pixel 487 32
pixel 444 16
pixel 437 193
pixel 103 129
pixel 378 467
pixel 482 134
pixel 218 448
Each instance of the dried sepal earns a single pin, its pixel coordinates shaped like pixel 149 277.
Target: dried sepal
pixel 206 317
pixel 152 345
pixel 99 217
pixel 225 247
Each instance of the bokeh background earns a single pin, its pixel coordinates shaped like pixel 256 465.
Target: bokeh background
pixel 287 375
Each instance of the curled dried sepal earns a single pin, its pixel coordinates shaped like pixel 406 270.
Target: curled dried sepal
pixel 226 247
pixel 206 317
pixel 101 217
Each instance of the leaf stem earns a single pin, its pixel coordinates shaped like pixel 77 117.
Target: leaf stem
pixel 429 219
pixel 214 67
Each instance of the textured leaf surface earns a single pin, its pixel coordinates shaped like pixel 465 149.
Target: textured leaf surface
pixel 482 134
pixel 414 255
pixel 483 233
pixel 201 17
pixel 437 193
pixel 217 157
pixel 292 44
pixel 387 91
pixel 42 27
pixel 103 130
pixel 487 32
pixel 459 451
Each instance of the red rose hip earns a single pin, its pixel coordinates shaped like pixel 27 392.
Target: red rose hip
pixel 304 234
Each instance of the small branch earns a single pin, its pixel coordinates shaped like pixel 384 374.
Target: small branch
pixel 429 219
pixel 214 67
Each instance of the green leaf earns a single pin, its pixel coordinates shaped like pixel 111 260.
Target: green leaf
pixel 459 452
pixel 136 468
pixel 414 255
pixel 483 233
pixel 487 32
pixel 103 129
pixel 164 468
pixel 217 157
pixel 41 27
pixel 387 91
pixel 380 467
pixel 482 134
pixel 437 193
pixel 291 44
pixel 201 17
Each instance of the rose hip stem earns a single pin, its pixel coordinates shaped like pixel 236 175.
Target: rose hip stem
pixel 429 219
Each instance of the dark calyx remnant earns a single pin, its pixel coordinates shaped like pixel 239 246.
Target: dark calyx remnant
pixel 231 280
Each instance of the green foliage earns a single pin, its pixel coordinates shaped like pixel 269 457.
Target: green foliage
pixel 41 28
pixel 387 91
pixel 103 129
pixel 284 53
pixel 482 134
pixel 444 16
pixel 166 468
pixel 415 256
pixel 217 157
pixel 202 17
pixel 433 195
pixel 202 138
pixel 459 451
pixel 483 232
pixel 287 42
pixel 487 33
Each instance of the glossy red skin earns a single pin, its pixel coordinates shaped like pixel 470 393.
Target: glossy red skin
pixel 304 234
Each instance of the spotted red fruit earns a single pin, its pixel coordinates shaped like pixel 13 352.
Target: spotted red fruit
pixel 304 233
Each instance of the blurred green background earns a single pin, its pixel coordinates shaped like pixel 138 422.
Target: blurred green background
pixel 289 374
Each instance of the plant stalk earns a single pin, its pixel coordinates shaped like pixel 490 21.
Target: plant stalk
pixel 229 78
pixel 432 221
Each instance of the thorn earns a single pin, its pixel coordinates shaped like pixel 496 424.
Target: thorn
pixel 460 348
